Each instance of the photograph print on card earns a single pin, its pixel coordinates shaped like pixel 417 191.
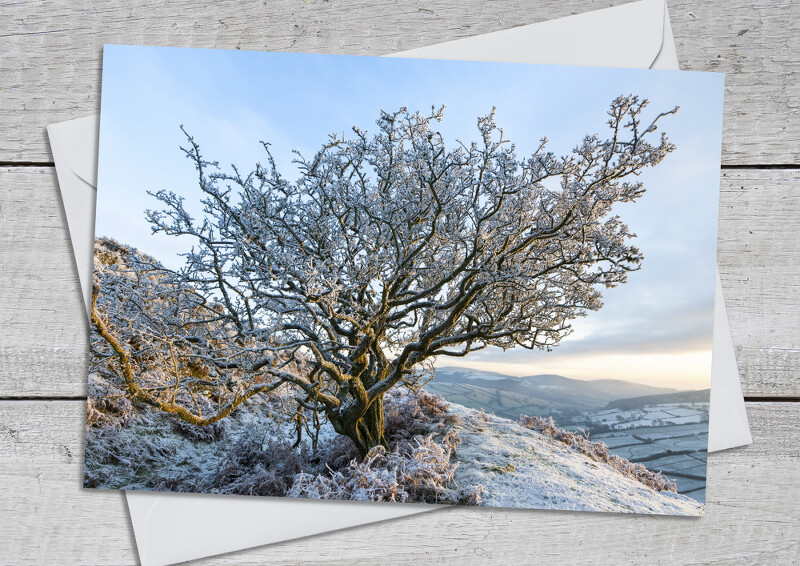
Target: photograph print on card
pixel 400 280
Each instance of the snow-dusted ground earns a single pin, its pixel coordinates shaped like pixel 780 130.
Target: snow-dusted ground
pixel 151 453
pixel 507 464
pixel 521 468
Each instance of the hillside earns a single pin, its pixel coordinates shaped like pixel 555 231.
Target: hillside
pixel 441 453
pixel 539 395
pixel 518 467
pixel 628 404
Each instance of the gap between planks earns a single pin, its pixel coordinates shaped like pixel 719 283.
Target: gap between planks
pixel 747 398
pixel 724 167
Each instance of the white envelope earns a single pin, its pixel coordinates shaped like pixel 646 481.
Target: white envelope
pixel 170 527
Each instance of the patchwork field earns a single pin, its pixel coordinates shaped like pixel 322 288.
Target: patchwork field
pixel 677 450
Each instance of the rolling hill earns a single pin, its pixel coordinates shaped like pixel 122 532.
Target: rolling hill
pixel 701 396
pixel 535 395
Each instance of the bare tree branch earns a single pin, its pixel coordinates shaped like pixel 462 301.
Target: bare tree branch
pixel 387 251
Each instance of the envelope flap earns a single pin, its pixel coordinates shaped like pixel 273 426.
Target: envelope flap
pixel 77 141
pixel 248 521
pixel 628 36
pixel 74 147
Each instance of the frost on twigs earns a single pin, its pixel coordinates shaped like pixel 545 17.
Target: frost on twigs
pixel 408 414
pixel 420 471
pixel 155 338
pixel 390 250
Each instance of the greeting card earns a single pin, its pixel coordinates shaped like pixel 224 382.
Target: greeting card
pixel 403 280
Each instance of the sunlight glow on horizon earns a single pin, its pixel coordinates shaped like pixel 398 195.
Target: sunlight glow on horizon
pixel 681 370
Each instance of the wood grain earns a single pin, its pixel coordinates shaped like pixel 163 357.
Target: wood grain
pixel 43 350
pixel 45 328
pixel 750 519
pixel 50 52
pixel 759 261
pixel 756 45
pixel 50 71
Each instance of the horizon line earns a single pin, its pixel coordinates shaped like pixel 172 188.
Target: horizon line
pixel 677 389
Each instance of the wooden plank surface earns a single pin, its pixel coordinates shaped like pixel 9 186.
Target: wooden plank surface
pixel 751 513
pixel 46 329
pixel 50 52
pixel 50 71
pixel 759 262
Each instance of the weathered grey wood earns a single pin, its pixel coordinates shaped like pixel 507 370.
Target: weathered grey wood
pixel 752 514
pixel 43 328
pixel 756 45
pixel 42 351
pixel 759 261
pixel 49 72
pixel 50 52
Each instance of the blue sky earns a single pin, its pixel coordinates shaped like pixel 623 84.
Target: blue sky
pixel 654 329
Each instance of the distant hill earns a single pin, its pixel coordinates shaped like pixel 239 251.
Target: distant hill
pixel 534 395
pixel 701 396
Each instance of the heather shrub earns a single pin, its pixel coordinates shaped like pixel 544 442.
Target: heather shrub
pixel 178 481
pixel 599 452
pixel 411 413
pixel 209 433
pixel 106 404
pixel 418 471
pixel 116 458
pixel 155 452
pixel 251 468
pixel 337 453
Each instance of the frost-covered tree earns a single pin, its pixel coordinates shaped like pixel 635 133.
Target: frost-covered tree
pixel 164 342
pixel 388 251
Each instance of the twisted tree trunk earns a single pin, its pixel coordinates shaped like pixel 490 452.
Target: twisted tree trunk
pixel 366 431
